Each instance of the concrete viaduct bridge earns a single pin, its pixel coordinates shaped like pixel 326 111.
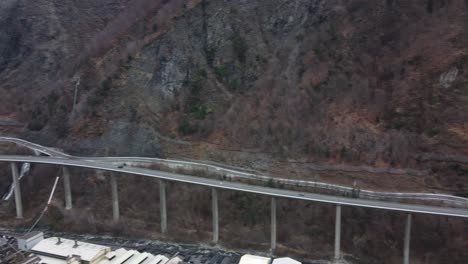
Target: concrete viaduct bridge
pixel 66 161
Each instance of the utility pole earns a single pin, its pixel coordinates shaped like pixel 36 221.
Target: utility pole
pixel 75 79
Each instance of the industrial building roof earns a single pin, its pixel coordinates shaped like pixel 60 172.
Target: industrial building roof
pixel 122 255
pixel 61 249
pixel 285 261
pixel 30 235
pixel 251 259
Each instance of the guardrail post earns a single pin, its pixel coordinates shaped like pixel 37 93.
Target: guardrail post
pixel 337 232
pixel 162 206
pixel 273 224
pixel 115 198
pixel 67 188
pixel 214 203
pixel 17 187
pixel 406 250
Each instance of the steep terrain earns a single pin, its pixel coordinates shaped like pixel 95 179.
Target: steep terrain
pixel 376 83
pixel 283 86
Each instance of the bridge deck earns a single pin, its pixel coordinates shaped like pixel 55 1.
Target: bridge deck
pixel 414 208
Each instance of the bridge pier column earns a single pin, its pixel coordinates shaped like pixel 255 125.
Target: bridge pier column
pixel 406 250
pixel 337 233
pixel 67 188
pixel 273 224
pixel 17 187
pixel 162 205
pixel 214 205
pixel 115 198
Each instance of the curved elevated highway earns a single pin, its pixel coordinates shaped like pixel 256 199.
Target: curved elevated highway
pixel 243 187
pixel 35 147
pixel 237 173
pixel 64 160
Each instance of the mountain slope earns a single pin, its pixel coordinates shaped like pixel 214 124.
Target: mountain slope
pixel 258 83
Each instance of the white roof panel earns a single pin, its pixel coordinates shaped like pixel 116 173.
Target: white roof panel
pixel 122 258
pixel 285 261
pixel 50 260
pixel 138 259
pixel 174 260
pixel 251 259
pixel 155 259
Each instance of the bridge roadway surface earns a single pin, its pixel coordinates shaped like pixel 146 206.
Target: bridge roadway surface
pixel 413 208
pixel 450 199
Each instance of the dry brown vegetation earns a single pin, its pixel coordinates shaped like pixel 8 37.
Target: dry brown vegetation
pixel 265 84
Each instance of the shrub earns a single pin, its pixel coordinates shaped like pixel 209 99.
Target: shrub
pixel 240 47
pixel 106 85
pixel 36 125
pixel 199 112
pixel 95 100
pixel 221 72
pixel 210 55
pixel 234 84
pixel 432 132
pixel 61 129
pixel 51 101
pixel 186 128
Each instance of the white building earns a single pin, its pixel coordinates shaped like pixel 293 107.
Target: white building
pixel 56 250
pixel 29 240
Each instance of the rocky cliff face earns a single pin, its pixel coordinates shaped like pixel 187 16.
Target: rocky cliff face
pixel 377 83
pixel 373 82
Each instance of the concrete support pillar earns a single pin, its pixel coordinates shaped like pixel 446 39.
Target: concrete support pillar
pixel 67 188
pixel 162 205
pixel 273 224
pixel 16 185
pixel 115 198
pixel 406 250
pixel 214 205
pixel 337 233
